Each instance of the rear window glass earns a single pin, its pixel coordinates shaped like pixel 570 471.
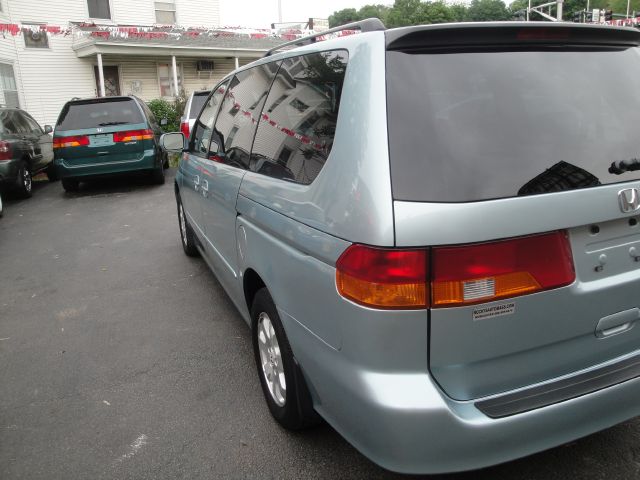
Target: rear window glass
pixel 196 104
pixel 484 125
pixel 92 114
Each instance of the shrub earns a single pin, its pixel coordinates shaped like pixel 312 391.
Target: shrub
pixel 164 109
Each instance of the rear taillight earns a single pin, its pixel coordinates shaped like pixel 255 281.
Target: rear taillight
pixel 133 135
pixel 73 141
pixel 489 271
pixel 383 278
pixel 5 151
pixel 460 275
pixel 184 128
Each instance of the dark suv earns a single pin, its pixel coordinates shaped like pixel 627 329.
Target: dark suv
pixel 25 150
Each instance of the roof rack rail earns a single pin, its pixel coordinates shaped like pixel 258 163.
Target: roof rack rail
pixel 367 25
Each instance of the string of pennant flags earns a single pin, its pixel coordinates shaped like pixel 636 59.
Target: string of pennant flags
pixel 115 32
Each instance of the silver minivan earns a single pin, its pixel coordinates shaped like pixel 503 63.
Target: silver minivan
pixel 432 232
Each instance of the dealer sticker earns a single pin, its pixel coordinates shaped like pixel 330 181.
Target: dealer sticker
pixel 494 311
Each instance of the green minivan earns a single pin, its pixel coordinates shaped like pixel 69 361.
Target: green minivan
pixel 107 136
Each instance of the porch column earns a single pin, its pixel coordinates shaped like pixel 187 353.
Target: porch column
pixel 101 76
pixel 237 63
pixel 175 76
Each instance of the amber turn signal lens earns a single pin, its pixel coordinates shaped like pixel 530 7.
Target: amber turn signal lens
pixel 383 278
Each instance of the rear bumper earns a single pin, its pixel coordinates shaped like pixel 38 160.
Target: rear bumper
pixel 405 423
pixel 148 160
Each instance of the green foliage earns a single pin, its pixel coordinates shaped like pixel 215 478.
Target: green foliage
pixel 342 17
pixel 418 12
pixel 162 108
pixel 487 11
pixel 349 15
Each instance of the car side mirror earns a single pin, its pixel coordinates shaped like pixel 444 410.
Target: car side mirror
pixel 172 142
pixel 163 121
pixel 48 129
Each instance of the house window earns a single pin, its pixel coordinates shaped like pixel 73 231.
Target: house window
pixel 8 84
pixel 166 12
pixel 99 9
pixel 299 105
pixel 165 78
pixel 34 37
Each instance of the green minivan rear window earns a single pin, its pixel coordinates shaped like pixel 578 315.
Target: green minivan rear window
pixel 99 113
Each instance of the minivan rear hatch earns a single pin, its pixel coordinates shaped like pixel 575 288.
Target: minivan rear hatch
pixel 527 132
pixel 101 130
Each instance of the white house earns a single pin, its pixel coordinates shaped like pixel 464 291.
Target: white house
pixel 55 50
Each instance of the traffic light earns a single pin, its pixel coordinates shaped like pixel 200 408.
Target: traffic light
pixel 608 15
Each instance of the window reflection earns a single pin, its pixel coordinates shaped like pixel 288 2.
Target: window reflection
pixel 203 127
pixel 297 126
pixel 238 118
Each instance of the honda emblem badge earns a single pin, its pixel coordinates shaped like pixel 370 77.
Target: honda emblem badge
pixel 629 200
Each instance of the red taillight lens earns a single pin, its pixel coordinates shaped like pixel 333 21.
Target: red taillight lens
pixel 133 135
pixel 484 272
pixel 460 275
pixel 5 151
pixel 73 141
pixel 184 128
pixel 383 278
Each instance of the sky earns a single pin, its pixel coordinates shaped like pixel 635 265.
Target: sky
pixel 261 13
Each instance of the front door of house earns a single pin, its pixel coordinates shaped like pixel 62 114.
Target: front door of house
pixel 111 80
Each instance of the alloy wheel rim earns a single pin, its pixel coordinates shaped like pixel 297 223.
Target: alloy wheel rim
pixel 271 360
pixel 26 180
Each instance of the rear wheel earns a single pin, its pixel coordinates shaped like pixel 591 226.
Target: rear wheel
pixel 281 379
pixel 157 176
pixel 70 184
pixel 186 233
pixel 24 181
pixel 52 173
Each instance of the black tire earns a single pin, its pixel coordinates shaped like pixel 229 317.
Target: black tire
pixel 157 176
pixel 293 409
pixel 70 184
pixel 187 237
pixel 52 173
pixel 24 182
pixel 165 161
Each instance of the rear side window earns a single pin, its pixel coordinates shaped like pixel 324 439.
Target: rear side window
pixel 33 125
pixel 470 126
pixel 197 103
pixel 20 122
pixel 238 118
pixel 298 124
pixel 92 114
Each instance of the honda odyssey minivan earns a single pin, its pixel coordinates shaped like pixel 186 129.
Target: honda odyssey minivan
pixel 107 136
pixel 443 259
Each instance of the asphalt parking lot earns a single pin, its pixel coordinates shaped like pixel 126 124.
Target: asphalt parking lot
pixel 122 358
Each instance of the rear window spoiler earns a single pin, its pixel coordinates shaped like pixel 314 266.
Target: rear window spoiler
pixel 509 34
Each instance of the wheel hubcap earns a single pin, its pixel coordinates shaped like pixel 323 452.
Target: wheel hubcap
pixel 183 225
pixel 271 360
pixel 26 180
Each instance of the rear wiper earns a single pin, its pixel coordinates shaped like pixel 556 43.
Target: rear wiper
pixel 622 166
pixel 110 123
